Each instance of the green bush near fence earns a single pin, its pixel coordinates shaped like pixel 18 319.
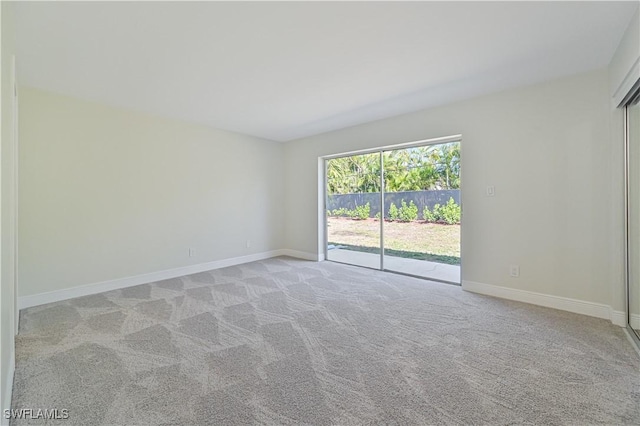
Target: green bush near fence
pixel 393 212
pixel 407 213
pixel 449 213
pixel 360 212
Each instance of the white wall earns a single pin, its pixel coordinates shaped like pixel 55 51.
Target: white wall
pixel 546 148
pixel 7 234
pixel 107 193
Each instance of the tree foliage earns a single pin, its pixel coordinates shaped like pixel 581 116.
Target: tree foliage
pixel 412 169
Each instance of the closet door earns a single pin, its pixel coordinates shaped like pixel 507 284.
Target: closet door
pixel 633 214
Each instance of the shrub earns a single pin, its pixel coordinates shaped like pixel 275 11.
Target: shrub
pixel 449 213
pixel 377 216
pixel 437 214
pixel 361 212
pixel 428 215
pixel 393 212
pixel 407 213
pixel 340 212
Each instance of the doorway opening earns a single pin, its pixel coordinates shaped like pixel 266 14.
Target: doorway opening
pixel 396 209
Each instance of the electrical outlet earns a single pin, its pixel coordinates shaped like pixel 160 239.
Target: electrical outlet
pixel 491 191
pixel 514 271
pixel 192 252
pixel 248 243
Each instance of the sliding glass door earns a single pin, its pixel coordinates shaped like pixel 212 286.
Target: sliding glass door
pixel 422 211
pixel 397 210
pixel 633 214
pixel 353 202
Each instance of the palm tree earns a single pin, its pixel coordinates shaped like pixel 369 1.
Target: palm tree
pixel 413 169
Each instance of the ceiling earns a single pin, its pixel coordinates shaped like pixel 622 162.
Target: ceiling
pixel 287 70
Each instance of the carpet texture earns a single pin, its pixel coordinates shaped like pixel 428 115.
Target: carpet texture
pixel 286 341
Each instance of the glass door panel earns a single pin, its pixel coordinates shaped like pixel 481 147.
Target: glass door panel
pixel 422 211
pixel 352 209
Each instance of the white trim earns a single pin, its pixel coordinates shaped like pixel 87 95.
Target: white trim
pixel 634 321
pixel 323 218
pixel 619 318
pixel 302 255
pixel 14 192
pixel 591 309
pixel 404 145
pixel 629 80
pixel 7 388
pixel 99 287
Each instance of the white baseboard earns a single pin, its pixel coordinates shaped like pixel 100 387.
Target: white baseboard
pixel 591 309
pixel 619 318
pixel 302 255
pixel 7 388
pixel 99 287
pixel 634 321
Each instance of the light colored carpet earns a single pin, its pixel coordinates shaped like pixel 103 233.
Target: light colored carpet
pixel 286 341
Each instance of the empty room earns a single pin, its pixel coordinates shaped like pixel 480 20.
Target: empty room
pixel 320 213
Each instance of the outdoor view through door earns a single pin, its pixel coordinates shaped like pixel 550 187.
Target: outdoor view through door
pixel 420 190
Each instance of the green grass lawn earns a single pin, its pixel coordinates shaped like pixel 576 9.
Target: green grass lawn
pixel 416 240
